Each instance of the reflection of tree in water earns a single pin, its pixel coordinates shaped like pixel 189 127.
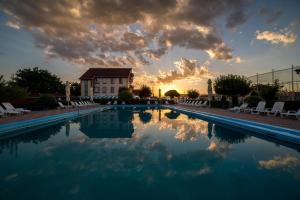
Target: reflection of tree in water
pixel 229 135
pixel 145 117
pixel 35 136
pixel 172 115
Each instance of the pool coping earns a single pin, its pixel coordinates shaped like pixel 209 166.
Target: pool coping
pixel 277 132
pixel 10 127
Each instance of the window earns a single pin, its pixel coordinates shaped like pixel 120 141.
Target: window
pixel 112 81
pixel 120 81
pixel 104 90
pixel 86 88
pixel 112 90
pixel 104 80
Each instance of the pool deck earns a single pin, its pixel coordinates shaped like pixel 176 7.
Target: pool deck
pixel 276 121
pixel 38 114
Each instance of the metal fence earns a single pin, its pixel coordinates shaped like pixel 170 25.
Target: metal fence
pixel 289 79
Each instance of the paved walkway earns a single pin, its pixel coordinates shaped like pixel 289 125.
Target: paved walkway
pixel 277 121
pixel 37 114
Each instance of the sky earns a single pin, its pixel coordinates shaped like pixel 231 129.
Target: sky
pixel 170 44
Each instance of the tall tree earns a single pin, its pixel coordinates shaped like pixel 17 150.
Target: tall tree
pixel 38 80
pixel 75 89
pixel 172 94
pixel 145 91
pixel 193 94
pixel 232 85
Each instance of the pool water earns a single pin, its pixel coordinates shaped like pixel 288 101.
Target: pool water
pixel 146 154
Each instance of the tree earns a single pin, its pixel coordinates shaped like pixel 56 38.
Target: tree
pixel 193 94
pixel 269 92
pixel 172 94
pixel 233 86
pixel 145 91
pixel 75 89
pixel 11 92
pixel 38 81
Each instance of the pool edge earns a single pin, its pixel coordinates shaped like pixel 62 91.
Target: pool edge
pixel 277 132
pixel 7 128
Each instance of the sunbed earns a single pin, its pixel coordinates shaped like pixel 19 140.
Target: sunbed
pixel 291 113
pixel 61 105
pixel 259 108
pixel 277 109
pixel 12 112
pixel 239 108
pixel 9 106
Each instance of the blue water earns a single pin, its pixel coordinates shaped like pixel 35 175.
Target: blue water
pixel 146 154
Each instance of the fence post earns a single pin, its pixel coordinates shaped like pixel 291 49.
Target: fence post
pixel 292 78
pixel 293 92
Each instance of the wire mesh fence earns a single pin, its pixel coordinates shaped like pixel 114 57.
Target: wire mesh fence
pixel 289 79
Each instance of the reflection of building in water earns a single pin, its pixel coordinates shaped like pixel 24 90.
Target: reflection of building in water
pixel 108 124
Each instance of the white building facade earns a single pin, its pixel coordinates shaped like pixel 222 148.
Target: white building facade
pixel 105 81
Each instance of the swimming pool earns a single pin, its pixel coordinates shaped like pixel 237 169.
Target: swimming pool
pixel 146 154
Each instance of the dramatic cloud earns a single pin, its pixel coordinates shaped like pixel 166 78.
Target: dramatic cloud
pixel 185 68
pixel 119 32
pixel 284 36
pixel 270 15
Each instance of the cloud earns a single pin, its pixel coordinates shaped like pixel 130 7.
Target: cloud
pixel 284 36
pixel 119 32
pixel 185 68
pixel 270 15
pixel 13 24
pixel 279 162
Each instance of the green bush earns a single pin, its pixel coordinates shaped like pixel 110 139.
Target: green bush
pixel 220 104
pixel 48 101
pixel 125 95
pixel 252 100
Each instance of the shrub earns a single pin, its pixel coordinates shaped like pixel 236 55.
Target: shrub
pixel 220 104
pixel 125 95
pixel 48 101
pixel 252 100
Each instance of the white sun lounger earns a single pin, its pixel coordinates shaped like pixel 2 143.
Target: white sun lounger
pixel 259 108
pixel 291 113
pixel 12 112
pixel 277 109
pixel 204 104
pixel 239 108
pixel 9 106
pixel 61 105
